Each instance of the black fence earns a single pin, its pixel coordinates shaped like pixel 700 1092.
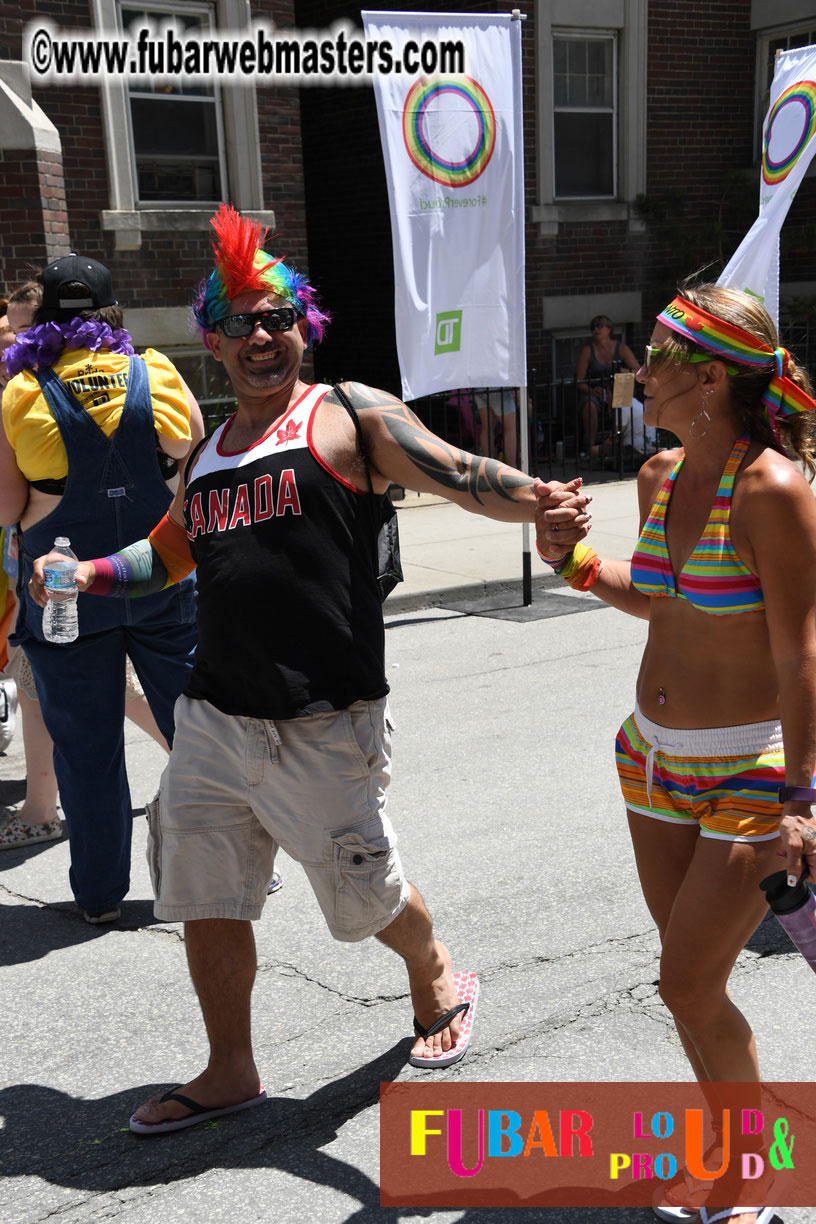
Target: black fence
pixel 571 431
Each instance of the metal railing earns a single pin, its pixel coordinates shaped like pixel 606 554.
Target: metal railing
pixel 560 444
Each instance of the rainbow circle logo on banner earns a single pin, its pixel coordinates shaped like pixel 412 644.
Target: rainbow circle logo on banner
pixel 449 129
pixel 791 125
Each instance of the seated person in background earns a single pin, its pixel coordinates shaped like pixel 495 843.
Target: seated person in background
pixel 597 362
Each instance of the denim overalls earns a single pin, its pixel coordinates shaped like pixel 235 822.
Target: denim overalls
pixel 114 495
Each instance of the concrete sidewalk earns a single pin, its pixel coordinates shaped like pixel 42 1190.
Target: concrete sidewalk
pixel 449 554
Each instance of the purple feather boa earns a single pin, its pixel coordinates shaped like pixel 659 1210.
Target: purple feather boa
pixel 40 346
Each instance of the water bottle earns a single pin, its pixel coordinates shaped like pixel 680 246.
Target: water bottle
pixel 60 621
pixel 795 909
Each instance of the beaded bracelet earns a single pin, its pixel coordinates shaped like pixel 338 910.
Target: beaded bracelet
pixel 556 564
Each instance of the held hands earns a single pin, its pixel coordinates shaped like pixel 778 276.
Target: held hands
pixel 85 574
pixel 798 833
pixel 562 517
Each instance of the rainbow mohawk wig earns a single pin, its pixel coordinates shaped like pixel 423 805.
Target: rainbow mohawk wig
pixel 241 264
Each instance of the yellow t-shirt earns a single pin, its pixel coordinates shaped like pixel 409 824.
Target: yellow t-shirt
pixel 99 382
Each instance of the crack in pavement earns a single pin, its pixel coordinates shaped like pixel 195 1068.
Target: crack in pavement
pixel 73 913
pixel 18 896
pixel 290 970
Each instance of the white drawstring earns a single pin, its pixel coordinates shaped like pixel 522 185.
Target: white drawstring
pixel 655 747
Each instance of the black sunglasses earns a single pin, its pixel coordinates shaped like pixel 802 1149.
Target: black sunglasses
pixel 282 318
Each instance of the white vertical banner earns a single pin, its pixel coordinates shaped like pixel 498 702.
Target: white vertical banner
pixel 788 144
pixel 453 160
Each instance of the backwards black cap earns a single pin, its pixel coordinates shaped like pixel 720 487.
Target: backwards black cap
pixel 77 270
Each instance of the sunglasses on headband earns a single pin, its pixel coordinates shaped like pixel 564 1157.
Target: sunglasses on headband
pixel 282 318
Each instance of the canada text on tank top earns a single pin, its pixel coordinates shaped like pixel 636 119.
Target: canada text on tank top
pixel 223 505
pixel 289 615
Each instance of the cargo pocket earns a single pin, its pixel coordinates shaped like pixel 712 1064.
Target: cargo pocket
pixel 154 843
pixel 367 876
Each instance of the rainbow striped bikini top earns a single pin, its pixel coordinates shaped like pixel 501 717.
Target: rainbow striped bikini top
pixel 713 579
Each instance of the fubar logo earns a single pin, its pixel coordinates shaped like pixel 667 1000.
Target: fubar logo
pixel 448 334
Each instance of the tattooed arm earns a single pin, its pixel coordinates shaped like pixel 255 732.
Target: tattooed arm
pixel 401 449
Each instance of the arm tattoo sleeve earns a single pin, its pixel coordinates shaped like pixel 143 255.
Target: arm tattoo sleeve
pixel 136 570
pixel 447 466
pixel 146 567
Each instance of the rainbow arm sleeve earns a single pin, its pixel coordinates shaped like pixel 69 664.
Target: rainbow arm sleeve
pixel 146 567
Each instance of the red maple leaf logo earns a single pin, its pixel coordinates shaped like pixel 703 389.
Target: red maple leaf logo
pixel 289 433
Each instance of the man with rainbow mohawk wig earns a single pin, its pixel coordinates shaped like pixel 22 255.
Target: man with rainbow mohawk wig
pixel 240 265
pixel 283 735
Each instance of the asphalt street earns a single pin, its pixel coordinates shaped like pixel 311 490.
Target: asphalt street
pixel 510 824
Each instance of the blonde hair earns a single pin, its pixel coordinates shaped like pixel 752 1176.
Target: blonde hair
pixel 746 384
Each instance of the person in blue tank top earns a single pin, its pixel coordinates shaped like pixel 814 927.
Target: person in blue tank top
pixel 283 734
pixel 91 433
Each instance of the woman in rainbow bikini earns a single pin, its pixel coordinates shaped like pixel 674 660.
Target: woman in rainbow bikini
pixel 725 573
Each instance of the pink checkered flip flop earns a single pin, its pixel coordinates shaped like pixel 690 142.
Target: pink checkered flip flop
pixel 466 984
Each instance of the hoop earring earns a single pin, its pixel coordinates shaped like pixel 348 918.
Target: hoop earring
pixel 700 415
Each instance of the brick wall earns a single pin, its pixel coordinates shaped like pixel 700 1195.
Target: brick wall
pixel 33 215
pixel 167 267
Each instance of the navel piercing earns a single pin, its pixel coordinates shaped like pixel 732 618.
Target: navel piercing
pixel 661 697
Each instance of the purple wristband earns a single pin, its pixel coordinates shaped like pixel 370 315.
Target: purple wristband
pixel 797 794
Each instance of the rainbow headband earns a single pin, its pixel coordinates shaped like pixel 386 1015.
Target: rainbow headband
pixel 242 265
pixel 782 397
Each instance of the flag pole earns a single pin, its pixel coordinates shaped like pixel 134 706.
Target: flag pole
pixel 523 435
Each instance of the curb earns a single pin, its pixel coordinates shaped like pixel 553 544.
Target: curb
pixel 448 597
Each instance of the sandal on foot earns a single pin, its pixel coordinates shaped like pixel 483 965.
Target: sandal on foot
pixel 466 985
pixel 764 1215
pixel 673 1213
pixel 200 1113
pixel 15 833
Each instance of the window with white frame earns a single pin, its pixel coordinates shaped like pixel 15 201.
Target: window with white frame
pixel 591 112
pixel 584 116
pixel 176 129
pixel 172 154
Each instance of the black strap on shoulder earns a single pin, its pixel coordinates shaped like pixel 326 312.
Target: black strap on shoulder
pixel 192 456
pixel 350 409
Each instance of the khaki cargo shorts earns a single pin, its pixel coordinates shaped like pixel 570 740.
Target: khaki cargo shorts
pixel 235 789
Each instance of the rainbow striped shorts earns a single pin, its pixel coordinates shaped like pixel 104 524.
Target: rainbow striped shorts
pixel 725 780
